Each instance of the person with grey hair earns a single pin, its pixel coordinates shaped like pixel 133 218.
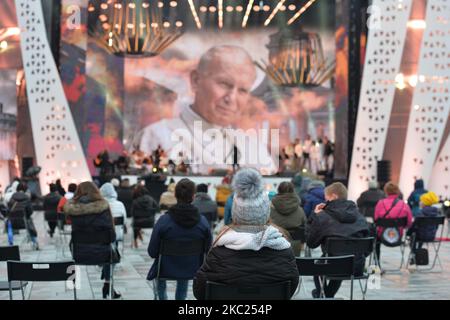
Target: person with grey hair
pixel 251 251
pixel 221 84
pixel 368 200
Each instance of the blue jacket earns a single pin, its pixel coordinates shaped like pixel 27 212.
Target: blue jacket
pixel 427 233
pixel 197 227
pixel 414 198
pixel 228 219
pixel 314 197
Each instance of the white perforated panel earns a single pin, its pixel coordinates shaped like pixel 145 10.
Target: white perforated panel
pixel 58 149
pixel 383 58
pixel 431 104
pixel 440 176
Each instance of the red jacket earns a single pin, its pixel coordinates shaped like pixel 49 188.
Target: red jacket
pixel 400 210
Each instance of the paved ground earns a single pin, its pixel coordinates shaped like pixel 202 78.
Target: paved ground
pixel 130 275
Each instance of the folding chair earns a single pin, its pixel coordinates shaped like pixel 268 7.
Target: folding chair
pixel 41 272
pixel 19 222
pixel 326 267
pixel 11 253
pixel 298 234
pixel 177 248
pixel 351 246
pixel 422 222
pixel 120 221
pixel 393 223
pixel 99 237
pixel 275 291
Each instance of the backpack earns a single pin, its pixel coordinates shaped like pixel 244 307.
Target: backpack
pixel 391 237
pixel 421 257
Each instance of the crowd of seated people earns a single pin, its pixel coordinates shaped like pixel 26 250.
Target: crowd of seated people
pixel 256 235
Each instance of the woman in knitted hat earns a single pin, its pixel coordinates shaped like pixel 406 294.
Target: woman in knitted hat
pixel 426 233
pixel 250 251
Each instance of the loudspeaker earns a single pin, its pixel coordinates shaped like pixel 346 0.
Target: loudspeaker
pixel 383 171
pixel 27 163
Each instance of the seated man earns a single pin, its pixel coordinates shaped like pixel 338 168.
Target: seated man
pixel 181 222
pixel 338 217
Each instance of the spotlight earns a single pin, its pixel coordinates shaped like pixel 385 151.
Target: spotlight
pixel 155 170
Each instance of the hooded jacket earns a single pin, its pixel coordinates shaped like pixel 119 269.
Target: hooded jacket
pixel 286 212
pixel 314 197
pixel 427 233
pixel 51 201
pixel 143 211
pixel 368 200
pixel 125 195
pixel 89 217
pixel 117 208
pixel 20 203
pixel 205 205
pixel 181 222
pixel 414 198
pixel 340 218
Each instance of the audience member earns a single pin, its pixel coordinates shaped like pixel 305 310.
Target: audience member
pixel 414 197
pixel 314 196
pixel 204 203
pixel 51 202
pixel 369 199
pixel 251 251
pixel 391 208
pixel 167 199
pixel 117 208
pixel 125 195
pixel 338 217
pixel 181 222
pixel 90 214
pixel 287 213
pixel 143 212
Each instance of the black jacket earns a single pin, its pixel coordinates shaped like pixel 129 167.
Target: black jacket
pixel 368 201
pixel 125 195
pixel 246 267
pixel 51 201
pixel 90 217
pixel 340 218
pixel 20 203
pixel 143 211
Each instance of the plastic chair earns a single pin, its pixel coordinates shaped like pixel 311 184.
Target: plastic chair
pixel 11 253
pixel 276 291
pixel 326 267
pixel 422 222
pixel 41 272
pixel 351 246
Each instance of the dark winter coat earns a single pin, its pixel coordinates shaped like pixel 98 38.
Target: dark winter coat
pixel 125 195
pixel 340 219
pixel 51 201
pixel 19 207
pixel 368 200
pixel 205 205
pixel 181 222
pixel 143 211
pixel 90 217
pixel 414 198
pixel 21 202
pixel 427 233
pixel 246 267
